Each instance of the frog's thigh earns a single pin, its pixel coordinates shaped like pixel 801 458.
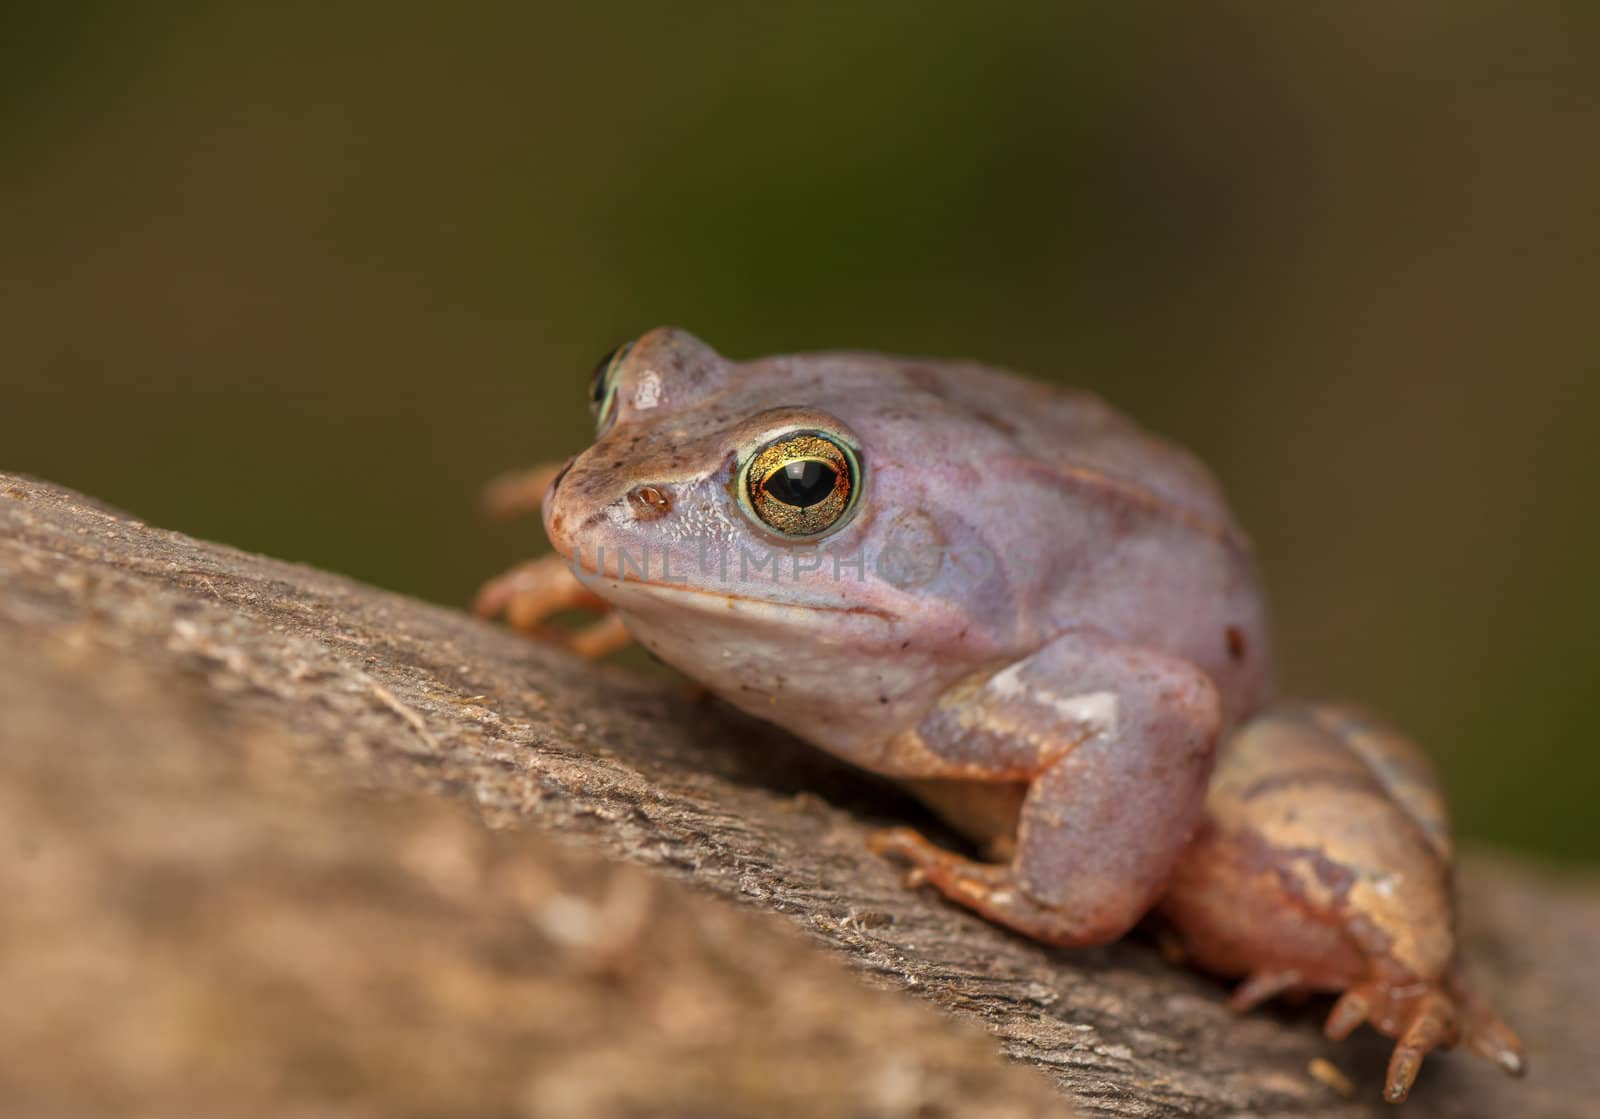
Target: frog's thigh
pixel 1117 742
pixel 1398 763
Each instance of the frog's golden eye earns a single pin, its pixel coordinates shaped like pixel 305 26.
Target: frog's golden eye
pixel 603 387
pixel 801 484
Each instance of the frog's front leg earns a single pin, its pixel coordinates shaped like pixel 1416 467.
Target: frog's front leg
pixel 528 594
pixel 531 592
pixel 1115 743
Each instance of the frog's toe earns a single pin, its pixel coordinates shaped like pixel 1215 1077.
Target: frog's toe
pixel 907 845
pixel 1432 1025
pixel 976 885
pixel 1352 1009
pixel 1483 1031
pixel 530 593
pixel 597 639
pixel 989 889
pixel 496 596
pixel 518 492
pixel 1501 1046
pixel 1263 986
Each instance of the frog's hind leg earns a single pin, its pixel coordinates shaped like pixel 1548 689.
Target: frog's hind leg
pixel 1325 852
pixel 531 592
pixel 1408 777
pixel 1397 763
pixel 1115 745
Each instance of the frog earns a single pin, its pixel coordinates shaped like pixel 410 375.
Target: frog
pixel 1035 615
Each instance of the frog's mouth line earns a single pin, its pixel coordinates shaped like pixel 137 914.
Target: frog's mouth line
pixel 656 588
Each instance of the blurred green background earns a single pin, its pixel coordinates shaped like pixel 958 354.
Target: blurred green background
pixel 301 278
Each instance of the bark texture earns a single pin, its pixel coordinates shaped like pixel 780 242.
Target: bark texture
pixel 245 871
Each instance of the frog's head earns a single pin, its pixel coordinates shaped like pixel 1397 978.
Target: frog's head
pixel 704 475
pixel 778 519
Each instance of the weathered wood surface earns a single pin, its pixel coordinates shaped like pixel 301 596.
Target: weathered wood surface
pixel 163 702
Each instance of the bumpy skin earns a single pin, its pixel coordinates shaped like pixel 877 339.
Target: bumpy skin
pixel 1039 617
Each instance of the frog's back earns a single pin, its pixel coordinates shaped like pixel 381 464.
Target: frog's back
pixel 1081 435
pixel 1093 520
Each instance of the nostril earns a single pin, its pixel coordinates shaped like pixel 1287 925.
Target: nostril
pixel 649 503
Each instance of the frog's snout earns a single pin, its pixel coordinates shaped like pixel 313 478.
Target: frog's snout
pixel 577 505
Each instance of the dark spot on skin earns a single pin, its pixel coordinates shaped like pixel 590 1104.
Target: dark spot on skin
pixel 929 382
pixel 925 379
pixel 883 699
pixel 1234 637
pixel 989 419
pixel 617 465
pixel 905 644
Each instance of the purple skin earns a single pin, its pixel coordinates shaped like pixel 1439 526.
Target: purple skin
pixel 1042 620
pixel 1048 597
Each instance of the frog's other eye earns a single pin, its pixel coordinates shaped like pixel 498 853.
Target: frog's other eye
pixel 801 484
pixel 603 387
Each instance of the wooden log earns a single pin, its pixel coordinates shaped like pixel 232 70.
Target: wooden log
pixel 270 838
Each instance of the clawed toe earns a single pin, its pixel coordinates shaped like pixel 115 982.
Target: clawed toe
pixel 905 844
pixel 1262 986
pixel 1349 1012
pixel 974 884
pixel 1485 1033
pixel 1421 1020
pixel 1432 1025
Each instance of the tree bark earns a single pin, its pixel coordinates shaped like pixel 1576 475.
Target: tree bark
pixel 239 880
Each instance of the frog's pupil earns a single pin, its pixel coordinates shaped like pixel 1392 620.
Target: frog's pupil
pixel 802 482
